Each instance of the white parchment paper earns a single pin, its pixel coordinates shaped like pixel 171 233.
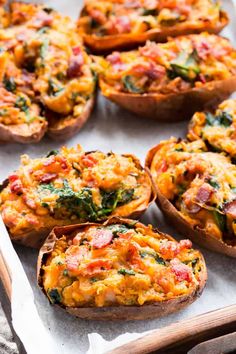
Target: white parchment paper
pixel 51 330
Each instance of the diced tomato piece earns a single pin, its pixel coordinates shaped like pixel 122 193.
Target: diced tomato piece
pixel 15 184
pixel 63 162
pixel 88 160
pixel 74 256
pixel 181 270
pixel 48 177
pixel 97 266
pixel 230 208
pixel 101 238
pixel 76 50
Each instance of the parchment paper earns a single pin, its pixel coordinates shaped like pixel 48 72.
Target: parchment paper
pixel 109 128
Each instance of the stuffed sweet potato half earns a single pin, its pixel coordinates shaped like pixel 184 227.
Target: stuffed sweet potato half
pixel 196 191
pixel 121 269
pixel 170 81
pixel 71 186
pixel 107 25
pixel 217 130
pixel 46 83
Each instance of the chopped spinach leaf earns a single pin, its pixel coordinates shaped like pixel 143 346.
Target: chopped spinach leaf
pixel 223 119
pixel 43 30
pixel 130 85
pixel 184 66
pixel 149 12
pixel 54 296
pixel 121 229
pixel 53 88
pixel 153 254
pixel 48 10
pixel 124 271
pixel 44 49
pixel 213 182
pixel 65 272
pixel 9 84
pixel 93 280
pixel 220 220
pixel 52 152
pixel 22 104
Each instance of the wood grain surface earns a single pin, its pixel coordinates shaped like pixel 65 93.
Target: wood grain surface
pixel 184 334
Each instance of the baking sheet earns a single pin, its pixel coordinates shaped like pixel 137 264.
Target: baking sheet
pixel 109 128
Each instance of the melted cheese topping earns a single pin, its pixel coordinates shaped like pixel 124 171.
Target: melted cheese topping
pixel 107 18
pixel 178 65
pixel 201 185
pixel 72 186
pixel 119 264
pixel 218 130
pixel 42 60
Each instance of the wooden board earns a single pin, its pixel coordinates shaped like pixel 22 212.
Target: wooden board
pixel 184 334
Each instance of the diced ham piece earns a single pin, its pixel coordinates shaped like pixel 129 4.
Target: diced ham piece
pixel 75 66
pixel 151 50
pixel 171 249
pixel 181 271
pixel 203 48
pixel 122 24
pixel 98 16
pixel 116 62
pixel 151 70
pixel 163 167
pixel 74 255
pixel 15 184
pixel 101 238
pixel 89 161
pixel 96 266
pixel 230 208
pixel 43 19
pixel 48 177
pixel 132 4
pixel 204 193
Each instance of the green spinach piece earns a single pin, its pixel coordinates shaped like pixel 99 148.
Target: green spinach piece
pixel 149 12
pixel 130 85
pixel 153 254
pixel 53 88
pixel 54 296
pixel 223 119
pixel 220 220
pixel 121 229
pixel 43 49
pixel 9 84
pixel 213 182
pixel 184 66
pixel 52 152
pixel 124 271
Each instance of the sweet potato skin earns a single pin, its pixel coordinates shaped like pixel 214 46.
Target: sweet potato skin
pixel 23 133
pixel 36 238
pixel 197 235
pixel 175 106
pixel 65 129
pixel 106 44
pixel 127 313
